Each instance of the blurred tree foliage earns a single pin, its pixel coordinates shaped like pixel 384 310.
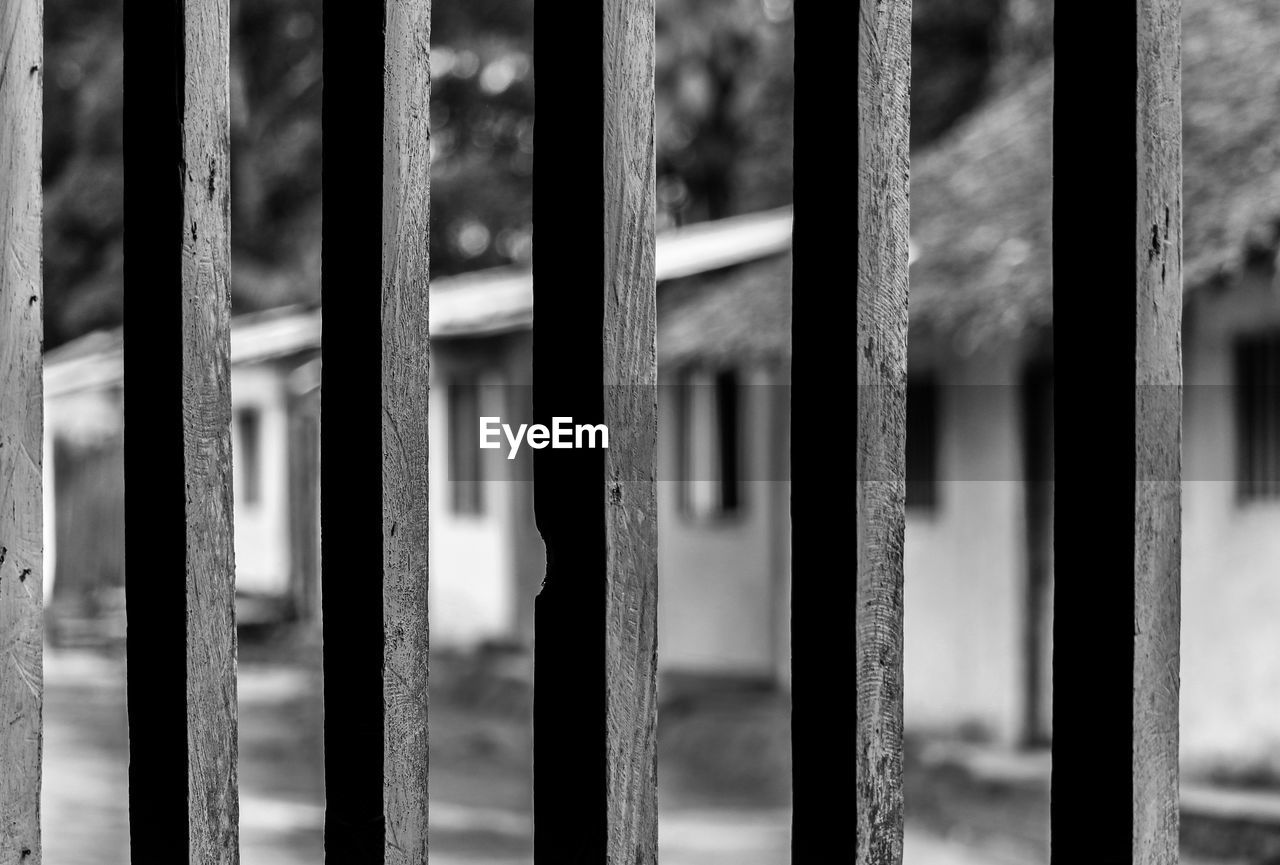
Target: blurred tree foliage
pixel 724 120
pixel 83 171
pixel 724 77
pixel 952 49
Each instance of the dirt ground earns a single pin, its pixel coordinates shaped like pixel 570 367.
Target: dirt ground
pixel 722 764
pixel 481 775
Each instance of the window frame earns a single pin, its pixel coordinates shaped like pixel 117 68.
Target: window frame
pixel 466 483
pixel 705 396
pixel 1255 359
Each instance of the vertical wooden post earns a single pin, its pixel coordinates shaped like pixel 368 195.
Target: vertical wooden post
pixel 884 87
pixel 406 196
pixel 181 640
pixel 842 622
pixel 630 371
pixel 1118 312
pixel 595 775
pixel 374 429
pixel 1158 440
pixel 21 431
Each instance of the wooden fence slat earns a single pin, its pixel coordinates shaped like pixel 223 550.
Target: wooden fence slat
pixel 181 641
pixel 630 371
pixel 1158 445
pixel 214 805
pixel 21 431
pixel 1118 401
pixel 374 436
pixel 884 88
pixel 842 729
pixel 405 377
pixel 595 796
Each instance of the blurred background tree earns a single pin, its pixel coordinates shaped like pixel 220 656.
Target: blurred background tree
pixel 724 78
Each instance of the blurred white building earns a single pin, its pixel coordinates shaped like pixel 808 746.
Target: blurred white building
pixel 979 525
pixel 724 312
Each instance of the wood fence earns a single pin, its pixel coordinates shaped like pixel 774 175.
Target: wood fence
pixel 1114 781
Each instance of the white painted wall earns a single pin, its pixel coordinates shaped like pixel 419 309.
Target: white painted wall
pixel 721 579
pixel 473 580
pixel 261 527
pixel 1231 556
pixel 79 419
pixel 965 561
pixel 965 564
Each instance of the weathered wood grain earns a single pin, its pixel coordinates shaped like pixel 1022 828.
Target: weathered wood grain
pixel 594 360
pixel 406 187
pixel 181 641
pixel 1118 403
pixel 629 331
pixel 21 432
pixel 1158 434
pixel 884 80
pixel 213 800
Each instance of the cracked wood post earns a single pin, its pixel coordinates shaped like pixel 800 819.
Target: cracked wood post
pixel 840 729
pixel 594 359
pixel 1118 310
pixel 21 431
pixel 374 529
pixel 180 585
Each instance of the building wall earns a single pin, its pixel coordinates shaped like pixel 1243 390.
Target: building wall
pixel 723 594
pixel 84 490
pixel 966 562
pixel 965 559
pixel 88 526
pixel 721 579
pixel 473 558
pixel 261 522
pixel 1231 554
pixel 528 552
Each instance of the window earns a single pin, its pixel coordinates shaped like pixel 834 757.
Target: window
pixel 1257 398
pixel 465 491
pixel 248 454
pixel 922 444
pixel 709 421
